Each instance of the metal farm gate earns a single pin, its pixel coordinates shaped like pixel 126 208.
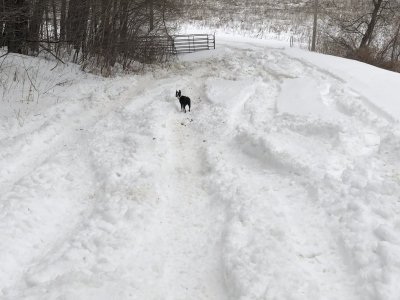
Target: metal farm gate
pixel 188 43
pixel 175 44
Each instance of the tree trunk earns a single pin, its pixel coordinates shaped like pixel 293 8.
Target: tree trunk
pixel 63 15
pixel 55 25
pixel 395 41
pixel 151 15
pixel 35 23
pixel 314 34
pixel 105 25
pixel 16 25
pixel 78 13
pixel 371 25
pixel 47 22
pixel 124 21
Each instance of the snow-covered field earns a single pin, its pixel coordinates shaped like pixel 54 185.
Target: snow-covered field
pixel 282 183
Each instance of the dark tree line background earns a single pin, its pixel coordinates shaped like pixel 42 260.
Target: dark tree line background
pixel 102 33
pixel 98 32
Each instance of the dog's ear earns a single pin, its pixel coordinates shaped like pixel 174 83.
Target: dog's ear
pixel 180 93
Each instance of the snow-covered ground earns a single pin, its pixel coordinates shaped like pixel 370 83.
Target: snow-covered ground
pixel 282 183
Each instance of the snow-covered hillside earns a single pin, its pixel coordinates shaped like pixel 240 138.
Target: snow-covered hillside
pixel 282 183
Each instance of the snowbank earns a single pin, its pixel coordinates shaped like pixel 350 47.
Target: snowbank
pixel 378 88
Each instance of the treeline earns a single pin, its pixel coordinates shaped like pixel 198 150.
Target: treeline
pixel 98 32
pixel 101 33
pixel 366 30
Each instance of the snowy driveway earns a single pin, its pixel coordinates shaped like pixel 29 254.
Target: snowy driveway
pixel 282 183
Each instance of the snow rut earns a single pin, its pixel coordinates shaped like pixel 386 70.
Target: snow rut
pixel 278 241
pixel 192 223
pixel 353 195
pixel 324 199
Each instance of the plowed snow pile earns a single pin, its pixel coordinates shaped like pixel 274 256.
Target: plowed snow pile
pixel 282 183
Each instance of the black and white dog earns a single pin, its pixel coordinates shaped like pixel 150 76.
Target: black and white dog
pixel 183 100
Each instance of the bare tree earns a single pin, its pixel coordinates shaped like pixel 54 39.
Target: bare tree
pixel 378 6
pixel 63 17
pixel 35 24
pixel 314 34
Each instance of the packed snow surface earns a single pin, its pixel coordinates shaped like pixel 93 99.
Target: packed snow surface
pixel 282 183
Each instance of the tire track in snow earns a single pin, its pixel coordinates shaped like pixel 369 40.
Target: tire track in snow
pixel 102 236
pixel 275 231
pixel 192 223
pixel 51 190
pixel 276 228
pixel 143 238
pixel 22 154
pixel 329 161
